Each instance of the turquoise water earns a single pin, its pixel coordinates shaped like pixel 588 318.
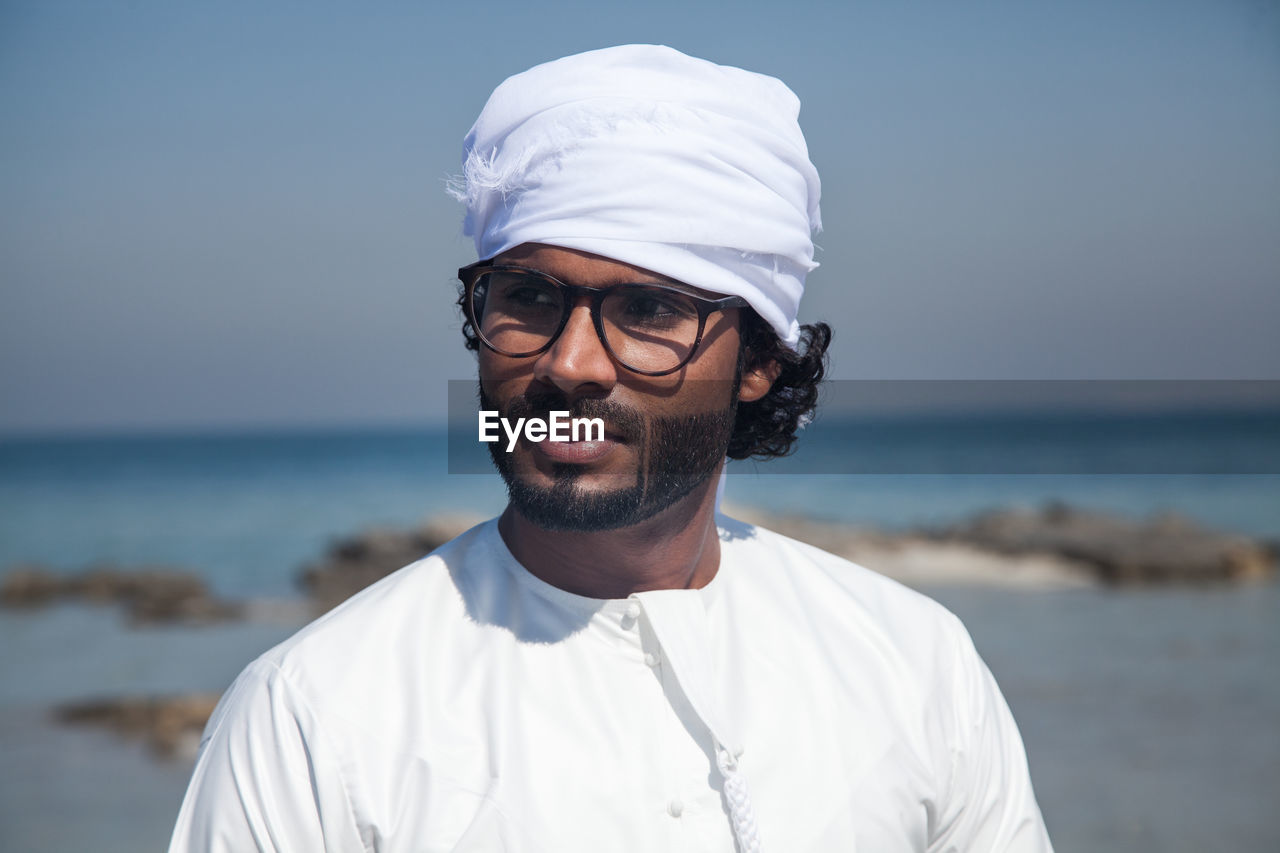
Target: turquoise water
pixel 245 511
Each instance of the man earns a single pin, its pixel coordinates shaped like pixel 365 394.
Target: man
pixel 610 665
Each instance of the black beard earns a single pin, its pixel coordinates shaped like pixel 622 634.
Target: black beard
pixel 677 455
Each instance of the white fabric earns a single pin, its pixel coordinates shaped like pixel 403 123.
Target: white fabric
pixel 463 705
pixel 645 155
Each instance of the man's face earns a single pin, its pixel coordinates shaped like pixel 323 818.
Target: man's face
pixel 664 435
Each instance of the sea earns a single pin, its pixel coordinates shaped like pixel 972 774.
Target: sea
pixel 1149 714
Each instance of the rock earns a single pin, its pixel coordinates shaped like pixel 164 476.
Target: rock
pixel 1055 547
pixel 170 725
pixel 30 585
pixel 918 560
pixel 358 561
pixel 149 595
pixel 1166 548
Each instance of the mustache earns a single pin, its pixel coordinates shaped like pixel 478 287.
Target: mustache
pixel 619 420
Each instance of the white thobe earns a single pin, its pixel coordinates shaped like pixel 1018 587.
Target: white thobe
pixel 462 704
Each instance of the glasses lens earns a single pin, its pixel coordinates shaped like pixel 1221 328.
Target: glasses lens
pixel 650 328
pixel 516 312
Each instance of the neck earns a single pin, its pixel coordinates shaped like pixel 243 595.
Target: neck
pixel 676 549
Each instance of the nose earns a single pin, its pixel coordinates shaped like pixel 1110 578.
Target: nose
pixel 577 363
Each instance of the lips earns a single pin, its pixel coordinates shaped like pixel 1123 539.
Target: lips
pixel 574 452
pixel 577 452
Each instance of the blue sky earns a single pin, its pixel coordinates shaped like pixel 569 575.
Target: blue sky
pixel 232 215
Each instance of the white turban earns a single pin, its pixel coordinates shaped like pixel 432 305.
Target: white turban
pixel 641 154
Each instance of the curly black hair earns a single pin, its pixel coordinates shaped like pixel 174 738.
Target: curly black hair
pixel 765 428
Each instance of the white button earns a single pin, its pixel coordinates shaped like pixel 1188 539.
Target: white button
pixel 650 659
pixel 675 808
pixel 633 611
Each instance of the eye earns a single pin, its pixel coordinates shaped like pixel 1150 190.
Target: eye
pixel 656 306
pixel 528 296
pixel 647 306
pixel 513 291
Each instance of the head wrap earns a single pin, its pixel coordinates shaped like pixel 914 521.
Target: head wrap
pixel 644 155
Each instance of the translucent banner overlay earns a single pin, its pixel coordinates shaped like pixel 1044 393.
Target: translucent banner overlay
pixel 997 427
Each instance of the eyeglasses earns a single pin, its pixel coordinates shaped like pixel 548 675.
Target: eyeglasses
pixel 652 329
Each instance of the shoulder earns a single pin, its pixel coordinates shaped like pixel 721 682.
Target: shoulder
pixel 837 599
pixel 363 647
pixel 778 562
